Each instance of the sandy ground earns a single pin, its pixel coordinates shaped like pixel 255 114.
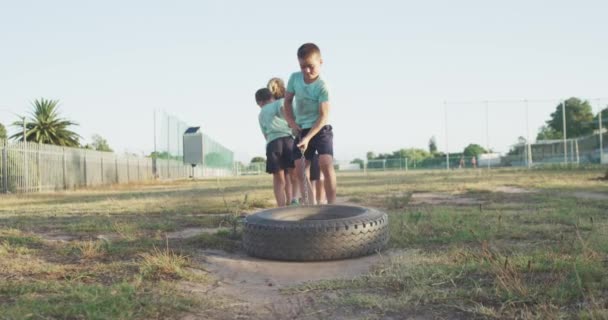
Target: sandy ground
pixel 256 284
pixel 442 198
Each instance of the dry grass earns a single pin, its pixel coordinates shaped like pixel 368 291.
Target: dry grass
pixel 539 255
pixel 163 264
pixel 92 249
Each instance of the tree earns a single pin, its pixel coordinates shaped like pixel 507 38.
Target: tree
pixel 473 150
pixel 2 132
pixel 412 154
pixel 579 117
pixel 548 133
pixel 258 159
pixel 604 119
pixel 433 145
pixel 98 143
pixel 358 161
pixel 370 155
pixel 45 126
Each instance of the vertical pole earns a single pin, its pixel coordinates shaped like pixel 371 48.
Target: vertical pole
pixel 128 171
pixel 116 169
pixel 578 160
pixel 38 164
pixel 447 149
pixel 86 183
pixel 26 168
pixel 572 159
pixel 154 130
pixel 564 131
pixel 138 172
pixel 406 165
pixel 168 144
pixel 177 139
pixel 65 178
pixel 599 103
pixel 528 146
pixel 101 161
pixel 488 132
pixel 4 167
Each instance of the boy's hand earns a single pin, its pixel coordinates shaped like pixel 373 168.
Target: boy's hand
pixel 303 145
pixel 295 127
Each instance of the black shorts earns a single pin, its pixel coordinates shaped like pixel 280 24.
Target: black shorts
pixel 279 154
pixel 321 143
pixel 315 169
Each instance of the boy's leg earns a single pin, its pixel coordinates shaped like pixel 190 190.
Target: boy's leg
pixel 288 185
pixel 320 190
pixel 278 182
pixel 295 185
pixel 324 145
pixel 326 162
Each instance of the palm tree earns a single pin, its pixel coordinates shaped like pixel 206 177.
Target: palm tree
pixel 45 126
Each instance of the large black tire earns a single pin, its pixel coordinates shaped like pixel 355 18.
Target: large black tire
pixel 313 233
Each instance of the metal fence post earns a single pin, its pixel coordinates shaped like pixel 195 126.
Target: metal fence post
pixel 101 161
pixel 86 184
pixel 4 168
pixel 406 168
pixel 564 133
pixel 447 149
pixel 578 160
pixel 528 146
pixel 128 171
pixel 65 177
pixel 116 169
pixel 599 118
pixel 38 163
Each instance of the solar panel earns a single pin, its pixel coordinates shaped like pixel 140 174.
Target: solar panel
pixel 192 130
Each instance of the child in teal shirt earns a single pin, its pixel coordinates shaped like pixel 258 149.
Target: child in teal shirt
pixel 279 142
pixel 311 118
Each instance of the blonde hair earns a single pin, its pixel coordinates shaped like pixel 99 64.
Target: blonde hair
pixel 277 87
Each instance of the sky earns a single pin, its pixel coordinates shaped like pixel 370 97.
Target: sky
pixel 396 69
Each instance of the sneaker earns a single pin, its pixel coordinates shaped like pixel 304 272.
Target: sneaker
pixel 294 202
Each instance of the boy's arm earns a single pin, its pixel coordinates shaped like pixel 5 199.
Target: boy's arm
pixel 321 121
pixel 289 117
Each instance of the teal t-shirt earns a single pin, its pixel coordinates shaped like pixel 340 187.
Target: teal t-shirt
pixel 272 121
pixel 308 98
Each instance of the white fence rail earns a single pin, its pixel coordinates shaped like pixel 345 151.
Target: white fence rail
pixel 33 167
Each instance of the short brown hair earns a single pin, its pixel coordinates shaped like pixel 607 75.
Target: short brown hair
pixel 263 95
pixel 276 87
pixel 308 49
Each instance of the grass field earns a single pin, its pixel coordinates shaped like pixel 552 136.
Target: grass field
pixel 464 244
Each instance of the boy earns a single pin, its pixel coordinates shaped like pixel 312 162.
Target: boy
pixel 311 118
pixel 279 143
pixel 277 88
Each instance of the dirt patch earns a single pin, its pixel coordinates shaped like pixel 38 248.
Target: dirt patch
pixel 192 232
pixel 63 238
pixel 58 237
pixel 512 190
pixel 442 198
pixel 257 282
pixel 591 195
